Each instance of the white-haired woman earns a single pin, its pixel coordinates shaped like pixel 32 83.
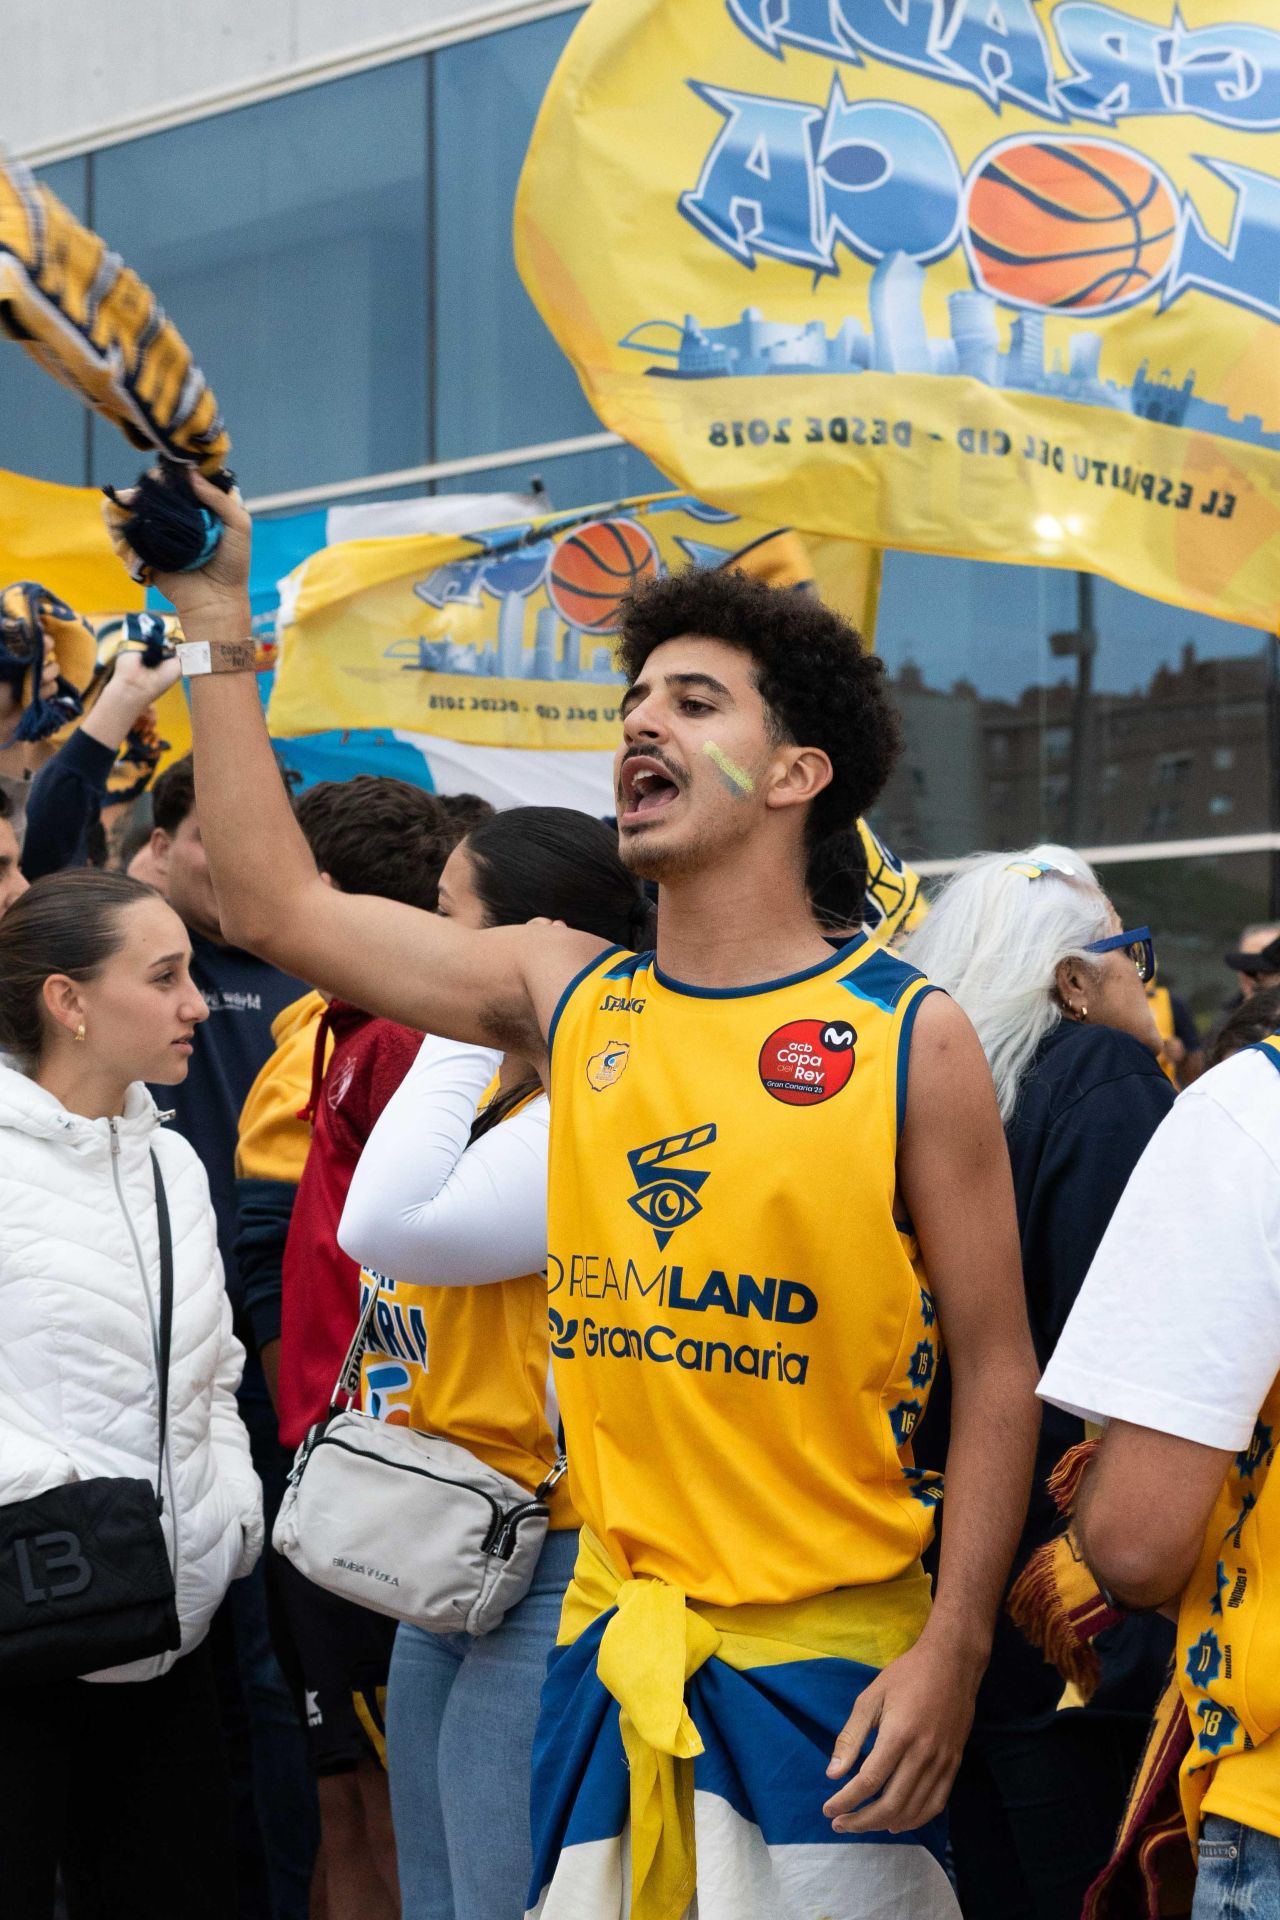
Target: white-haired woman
pixel 1033 950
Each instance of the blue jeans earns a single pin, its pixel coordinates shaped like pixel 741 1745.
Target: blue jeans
pixel 1238 1873
pixel 460 1718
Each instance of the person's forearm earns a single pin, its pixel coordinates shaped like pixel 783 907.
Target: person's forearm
pixel 390 959
pixel 1142 1565
pixel 65 799
pixel 258 858
pixel 995 1419
pixel 116 711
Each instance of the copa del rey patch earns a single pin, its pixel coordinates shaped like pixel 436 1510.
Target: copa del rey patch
pixel 808 1061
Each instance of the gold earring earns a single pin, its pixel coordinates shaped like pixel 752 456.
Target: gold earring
pixel 79 1032
pixel 1084 1013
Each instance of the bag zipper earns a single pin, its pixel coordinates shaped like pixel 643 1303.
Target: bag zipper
pixel 499 1521
pixel 155 1335
pixel 511 1523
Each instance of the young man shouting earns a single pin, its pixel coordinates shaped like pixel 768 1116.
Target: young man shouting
pixel 777 1177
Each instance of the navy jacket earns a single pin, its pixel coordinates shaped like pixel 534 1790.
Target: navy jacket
pixel 1088 1105
pixel 65 801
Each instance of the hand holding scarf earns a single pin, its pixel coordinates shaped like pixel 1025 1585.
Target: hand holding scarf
pixel 35 626
pixel 90 321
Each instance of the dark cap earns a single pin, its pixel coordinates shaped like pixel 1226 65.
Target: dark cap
pixel 1266 960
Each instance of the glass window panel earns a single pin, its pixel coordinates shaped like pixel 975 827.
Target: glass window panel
pixel 1176 713
pixel 43 426
pixel 1197 910
pixel 501 380
pixel 288 241
pixel 570 479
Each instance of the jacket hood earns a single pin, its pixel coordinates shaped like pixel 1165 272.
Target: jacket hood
pixel 31 1109
pixel 298 1014
pixel 345 1019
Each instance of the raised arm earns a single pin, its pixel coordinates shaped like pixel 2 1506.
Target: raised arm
pixel 68 794
pixel 953 1173
pixel 498 987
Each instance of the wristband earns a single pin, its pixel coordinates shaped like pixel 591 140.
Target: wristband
pixel 216 656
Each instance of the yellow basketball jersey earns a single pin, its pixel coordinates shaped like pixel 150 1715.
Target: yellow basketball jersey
pixel 1229 1633
pixel 470 1364
pixel 1161 1005
pixel 744 1341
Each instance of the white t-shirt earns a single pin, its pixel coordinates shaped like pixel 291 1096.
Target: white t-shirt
pixel 1177 1326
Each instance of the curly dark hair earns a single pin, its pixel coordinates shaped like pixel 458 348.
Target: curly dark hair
pixel 836 877
pixel 467 810
pixel 1253 1020
pixel 174 794
pixel 373 834
pixel 818 682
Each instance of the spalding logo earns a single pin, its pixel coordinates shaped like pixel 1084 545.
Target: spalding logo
pixel 605 1067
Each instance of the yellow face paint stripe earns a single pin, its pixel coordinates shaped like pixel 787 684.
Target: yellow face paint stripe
pixel 736 777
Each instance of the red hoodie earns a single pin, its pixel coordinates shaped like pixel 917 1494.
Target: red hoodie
pixel 320 1283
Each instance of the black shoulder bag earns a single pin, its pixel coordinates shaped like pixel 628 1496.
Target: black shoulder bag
pixel 85 1580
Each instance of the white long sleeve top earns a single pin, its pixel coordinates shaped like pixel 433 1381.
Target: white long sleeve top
pixel 427 1207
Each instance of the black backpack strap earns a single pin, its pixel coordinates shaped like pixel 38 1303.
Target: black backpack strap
pixel 166 1318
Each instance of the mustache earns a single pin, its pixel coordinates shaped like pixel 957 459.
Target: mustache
pixel 678 774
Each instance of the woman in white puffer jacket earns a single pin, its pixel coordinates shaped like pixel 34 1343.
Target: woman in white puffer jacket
pixel 124 1782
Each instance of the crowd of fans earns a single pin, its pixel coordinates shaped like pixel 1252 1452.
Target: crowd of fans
pixel 344 1102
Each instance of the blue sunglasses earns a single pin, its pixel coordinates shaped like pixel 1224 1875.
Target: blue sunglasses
pixel 1139 946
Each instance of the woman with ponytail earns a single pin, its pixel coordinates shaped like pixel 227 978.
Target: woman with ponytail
pixel 450 1201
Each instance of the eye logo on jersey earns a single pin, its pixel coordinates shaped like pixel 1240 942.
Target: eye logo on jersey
pixel 608 1065
pixel 808 1061
pixel 668 1195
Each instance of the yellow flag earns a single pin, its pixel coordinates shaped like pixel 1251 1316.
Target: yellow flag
pixel 503 638
pixel 979 277
pixel 55 535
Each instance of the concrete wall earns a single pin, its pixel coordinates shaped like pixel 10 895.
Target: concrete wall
pixel 82 72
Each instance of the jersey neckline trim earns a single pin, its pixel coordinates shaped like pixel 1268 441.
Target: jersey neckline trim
pixel 841 953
